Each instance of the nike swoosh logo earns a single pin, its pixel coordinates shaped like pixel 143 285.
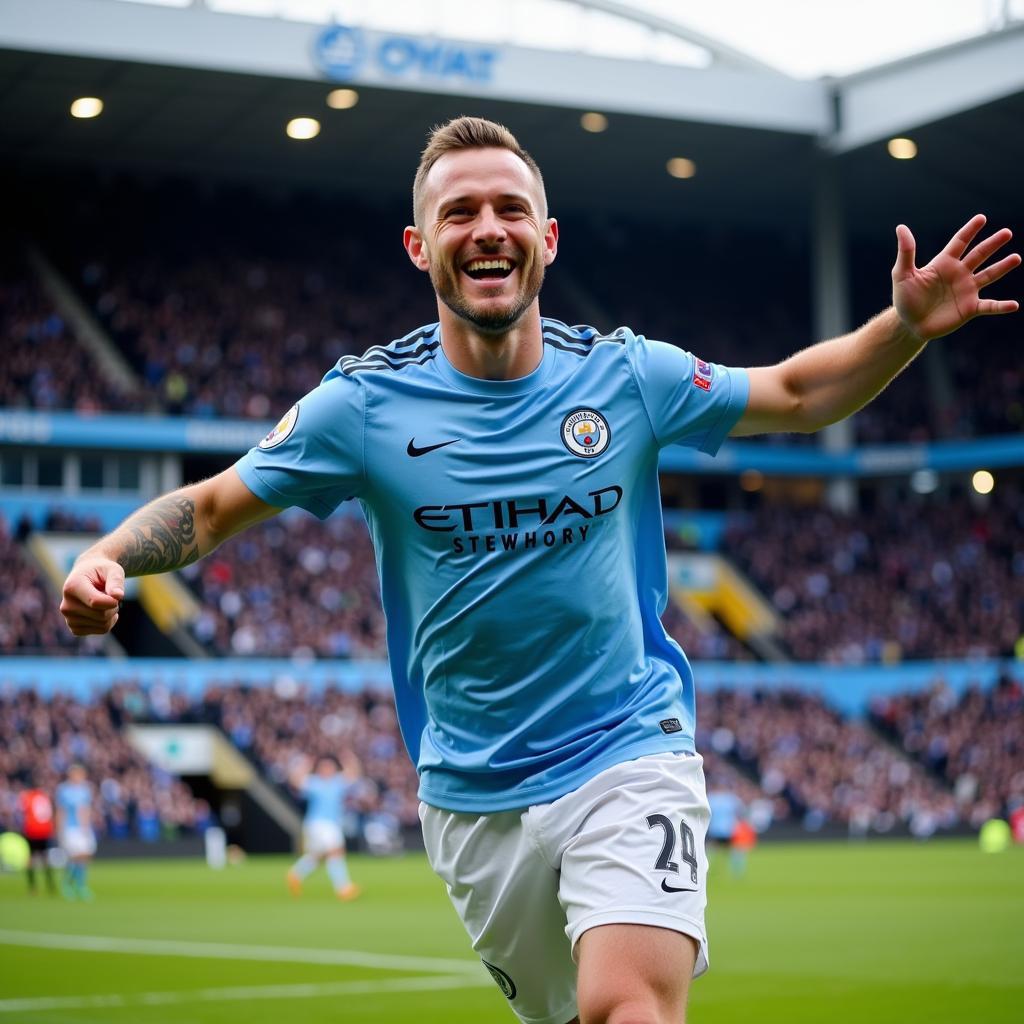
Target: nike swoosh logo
pixel 672 888
pixel 417 452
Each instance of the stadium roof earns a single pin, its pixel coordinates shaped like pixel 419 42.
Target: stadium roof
pixel 802 38
pixel 201 93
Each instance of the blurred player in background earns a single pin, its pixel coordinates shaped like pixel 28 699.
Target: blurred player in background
pixel 323 836
pixel 508 468
pixel 38 826
pixel 75 831
pixel 728 829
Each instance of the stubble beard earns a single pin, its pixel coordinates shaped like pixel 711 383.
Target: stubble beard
pixel 497 321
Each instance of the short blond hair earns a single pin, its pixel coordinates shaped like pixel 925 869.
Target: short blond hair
pixel 466 133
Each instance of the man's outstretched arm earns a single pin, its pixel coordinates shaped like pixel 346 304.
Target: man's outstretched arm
pixel 832 380
pixel 168 533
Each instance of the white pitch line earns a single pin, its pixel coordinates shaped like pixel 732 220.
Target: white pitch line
pixel 232 951
pixel 215 995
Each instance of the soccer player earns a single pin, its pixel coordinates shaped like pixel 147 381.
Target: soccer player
pixel 727 815
pixel 75 832
pixel 322 836
pixel 508 468
pixel 38 827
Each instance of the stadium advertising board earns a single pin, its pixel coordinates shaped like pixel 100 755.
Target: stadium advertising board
pixel 344 53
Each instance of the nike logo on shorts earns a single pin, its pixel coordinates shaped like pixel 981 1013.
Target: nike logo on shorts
pixel 672 888
pixel 417 452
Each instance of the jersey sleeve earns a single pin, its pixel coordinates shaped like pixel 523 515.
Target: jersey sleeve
pixel 313 458
pixel 689 402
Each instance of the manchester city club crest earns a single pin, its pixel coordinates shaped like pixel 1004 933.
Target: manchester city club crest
pixel 586 433
pixel 282 430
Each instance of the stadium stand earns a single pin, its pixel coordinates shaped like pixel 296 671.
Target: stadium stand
pixel 328 572
pixel 279 726
pixel 713 643
pixel 31 623
pixel 859 588
pixel 974 743
pixel 236 306
pixel 40 739
pixel 828 769
pixel 228 301
pixel 907 579
pixel 791 758
pixel 44 365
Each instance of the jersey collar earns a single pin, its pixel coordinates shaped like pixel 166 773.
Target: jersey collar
pixel 495 388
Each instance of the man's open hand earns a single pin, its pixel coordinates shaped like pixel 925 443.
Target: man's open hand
pixel 92 595
pixel 942 296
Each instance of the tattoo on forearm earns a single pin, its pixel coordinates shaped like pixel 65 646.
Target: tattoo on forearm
pixel 162 537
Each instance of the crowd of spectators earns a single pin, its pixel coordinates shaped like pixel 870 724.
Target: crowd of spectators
pixel 969 384
pixel 31 623
pixel 281 725
pixel 44 365
pixel 921 579
pixel 974 742
pixel 293 586
pixel 788 755
pixel 284 723
pixel 40 739
pixel 900 581
pixel 829 770
pixel 988 392
pixel 235 304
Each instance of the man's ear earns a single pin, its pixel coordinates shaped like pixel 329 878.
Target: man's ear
pixel 416 247
pixel 550 242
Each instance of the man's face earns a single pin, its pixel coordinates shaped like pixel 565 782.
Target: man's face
pixel 485 238
pixel 325 768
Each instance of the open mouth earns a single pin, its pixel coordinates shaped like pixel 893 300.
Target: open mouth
pixel 496 269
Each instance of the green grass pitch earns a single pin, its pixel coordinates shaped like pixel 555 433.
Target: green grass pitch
pixel 880 932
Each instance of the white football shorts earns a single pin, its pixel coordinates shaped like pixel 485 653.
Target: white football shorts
pixel 78 842
pixel 320 837
pixel 627 847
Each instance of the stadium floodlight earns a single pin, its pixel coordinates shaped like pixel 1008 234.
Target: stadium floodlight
pixel 342 99
pixel 681 167
pixel 87 106
pixel 593 122
pixel 983 481
pixel 303 128
pixel 902 149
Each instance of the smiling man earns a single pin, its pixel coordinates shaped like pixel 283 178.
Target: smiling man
pixel 507 465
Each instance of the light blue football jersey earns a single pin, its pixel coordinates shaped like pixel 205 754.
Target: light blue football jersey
pixel 72 799
pixel 518 535
pixel 325 797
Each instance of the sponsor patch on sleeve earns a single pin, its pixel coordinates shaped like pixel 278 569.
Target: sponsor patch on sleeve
pixel 282 430
pixel 703 374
